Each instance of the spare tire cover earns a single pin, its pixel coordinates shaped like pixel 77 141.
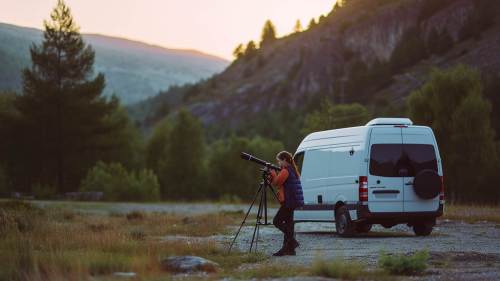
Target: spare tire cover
pixel 427 184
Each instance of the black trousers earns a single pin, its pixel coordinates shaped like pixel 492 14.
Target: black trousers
pixel 283 220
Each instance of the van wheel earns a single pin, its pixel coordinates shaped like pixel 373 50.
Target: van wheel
pixel 343 223
pixel 363 227
pixel 422 229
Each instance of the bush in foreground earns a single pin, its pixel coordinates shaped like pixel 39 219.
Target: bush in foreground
pixel 404 264
pixel 346 270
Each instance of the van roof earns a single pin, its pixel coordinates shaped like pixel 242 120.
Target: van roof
pixel 350 134
pixel 390 121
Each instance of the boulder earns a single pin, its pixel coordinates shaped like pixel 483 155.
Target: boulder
pixel 188 264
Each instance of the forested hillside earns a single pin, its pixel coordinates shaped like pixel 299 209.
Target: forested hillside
pixel 363 60
pixel 134 70
pixel 374 52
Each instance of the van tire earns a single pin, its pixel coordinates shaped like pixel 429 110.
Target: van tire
pixel 422 229
pixel 343 224
pixel 363 227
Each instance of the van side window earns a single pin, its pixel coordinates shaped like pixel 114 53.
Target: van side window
pixel 299 159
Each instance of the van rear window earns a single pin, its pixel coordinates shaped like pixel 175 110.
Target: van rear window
pixel 396 160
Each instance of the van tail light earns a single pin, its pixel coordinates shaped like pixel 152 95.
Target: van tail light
pixel 363 190
pixel 441 194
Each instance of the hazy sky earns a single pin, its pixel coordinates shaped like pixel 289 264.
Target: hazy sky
pixel 212 26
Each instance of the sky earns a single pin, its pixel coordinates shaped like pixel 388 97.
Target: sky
pixel 211 26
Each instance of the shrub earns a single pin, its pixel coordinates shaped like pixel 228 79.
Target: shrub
pixel 404 264
pixel 135 215
pixel 338 269
pixel 119 184
pixel 44 191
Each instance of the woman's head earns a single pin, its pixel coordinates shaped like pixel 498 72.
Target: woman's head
pixel 285 158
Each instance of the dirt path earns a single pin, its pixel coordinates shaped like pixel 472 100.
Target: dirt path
pixel 459 251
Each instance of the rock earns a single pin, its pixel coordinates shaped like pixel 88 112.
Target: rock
pixel 188 264
pixel 125 274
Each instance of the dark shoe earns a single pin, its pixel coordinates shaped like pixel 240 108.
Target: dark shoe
pixel 290 252
pixel 281 252
pixel 294 244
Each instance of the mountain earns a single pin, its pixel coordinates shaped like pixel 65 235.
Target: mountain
pixel 374 52
pixel 134 70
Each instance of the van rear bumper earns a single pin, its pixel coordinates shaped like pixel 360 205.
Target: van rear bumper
pixel 365 215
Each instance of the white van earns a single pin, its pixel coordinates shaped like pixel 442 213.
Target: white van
pixel 387 172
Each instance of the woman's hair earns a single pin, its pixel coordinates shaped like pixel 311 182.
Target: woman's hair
pixel 287 156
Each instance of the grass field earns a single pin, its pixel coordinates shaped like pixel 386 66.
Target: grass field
pixel 60 243
pixel 472 213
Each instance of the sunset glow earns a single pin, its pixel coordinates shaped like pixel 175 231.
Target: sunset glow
pixel 211 26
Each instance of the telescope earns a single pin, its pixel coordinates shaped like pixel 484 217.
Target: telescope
pixel 249 157
pixel 261 194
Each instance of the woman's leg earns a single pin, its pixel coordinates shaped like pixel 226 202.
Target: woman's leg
pixel 288 224
pixel 279 219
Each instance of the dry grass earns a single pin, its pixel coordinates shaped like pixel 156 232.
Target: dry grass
pixel 55 244
pixel 472 213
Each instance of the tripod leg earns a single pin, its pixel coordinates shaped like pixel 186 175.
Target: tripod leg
pixel 257 223
pixel 245 218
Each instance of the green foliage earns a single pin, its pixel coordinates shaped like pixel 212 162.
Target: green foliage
pixel 338 268
pixel 44 191
pixel 4 183
pixel 312 23
pixel 404 264
pixel 63 124
pixel 297 27
pixel 331 116
pixel 268 33
pixel 452 103
pixel 120 185
pixel 239 51
pixel 176 153
pixel 250 49
pixel 228 174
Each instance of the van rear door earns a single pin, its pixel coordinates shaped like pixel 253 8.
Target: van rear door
pixel 385 185
pixel 419 152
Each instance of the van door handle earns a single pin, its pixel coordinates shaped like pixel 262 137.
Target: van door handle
pixel 409 183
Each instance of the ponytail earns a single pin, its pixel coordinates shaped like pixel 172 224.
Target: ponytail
pixel 287 156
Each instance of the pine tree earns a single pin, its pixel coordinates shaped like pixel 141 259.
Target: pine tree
pixel 268 33
pixel 312 23
pixel 251 49
pixel 298 26
pixel 62 124
pixel 181 168
pixel 239 51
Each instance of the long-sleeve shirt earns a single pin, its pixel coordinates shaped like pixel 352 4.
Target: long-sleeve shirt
pixel 278 180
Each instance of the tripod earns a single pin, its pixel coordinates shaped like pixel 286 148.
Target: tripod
pixel 261 212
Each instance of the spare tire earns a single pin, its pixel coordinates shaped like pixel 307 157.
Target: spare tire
pixel 427 184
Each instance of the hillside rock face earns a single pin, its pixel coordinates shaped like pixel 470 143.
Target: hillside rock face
pixel 319 62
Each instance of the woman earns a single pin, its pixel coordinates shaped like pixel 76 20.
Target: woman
pixel 290 197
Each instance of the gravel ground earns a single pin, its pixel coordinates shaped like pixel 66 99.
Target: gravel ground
pixel 458 250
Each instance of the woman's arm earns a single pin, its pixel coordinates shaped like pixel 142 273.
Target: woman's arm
pixel 278 180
